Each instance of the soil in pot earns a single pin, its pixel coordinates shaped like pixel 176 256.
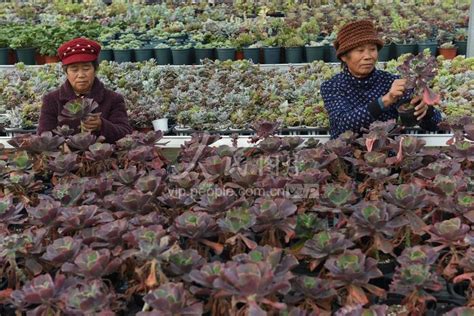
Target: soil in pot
pixel 407 115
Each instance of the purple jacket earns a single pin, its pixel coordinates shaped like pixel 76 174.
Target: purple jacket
pixel 115 123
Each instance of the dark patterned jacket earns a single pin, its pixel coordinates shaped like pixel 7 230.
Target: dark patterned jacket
pixel 352 102
pixel 114 117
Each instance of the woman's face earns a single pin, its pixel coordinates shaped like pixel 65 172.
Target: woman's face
pixel 81 76
pixel 361 60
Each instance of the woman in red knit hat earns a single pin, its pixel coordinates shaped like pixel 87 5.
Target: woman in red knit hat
pixel 79 60
pixel 362 94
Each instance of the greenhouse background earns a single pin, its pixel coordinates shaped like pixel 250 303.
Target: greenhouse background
pixel 229 197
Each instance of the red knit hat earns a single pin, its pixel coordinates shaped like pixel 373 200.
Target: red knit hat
pixel 355 34
pixel 78 50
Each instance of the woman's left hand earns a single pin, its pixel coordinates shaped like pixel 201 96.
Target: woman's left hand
pixel 92 123
pixel 421 108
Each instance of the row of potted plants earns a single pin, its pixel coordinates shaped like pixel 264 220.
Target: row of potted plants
pixel 219 95
pixel 368 225
pixel 128 28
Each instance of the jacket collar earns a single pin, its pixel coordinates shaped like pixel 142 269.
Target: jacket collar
pixel 66 92
pixel 362 83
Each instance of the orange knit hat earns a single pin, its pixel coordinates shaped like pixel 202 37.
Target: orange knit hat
pixel 354 34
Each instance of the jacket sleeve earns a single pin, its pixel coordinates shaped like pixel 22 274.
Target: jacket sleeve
pixel 115 126
pixel 48 119
pixel 343 116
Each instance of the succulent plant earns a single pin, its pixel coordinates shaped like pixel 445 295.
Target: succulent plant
pixel 92 264
pixel 10 213
pixel 449 232
pixel 414 277
pixel 359 310
pixel 44 292
pixel 172 299
pixel 353 270
pixel 92 297
pixel 325 244
pixel 81 141
pixel 419 71
pixel 62 250
pixel 77 109
pixel 181 263
pixel 313 287
pixel 251 283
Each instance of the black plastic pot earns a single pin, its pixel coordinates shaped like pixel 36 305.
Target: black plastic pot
pixel 106 54
pixel 432 46
pixel 271 55
pixel 163 56
pixel 26 55
pixel 330 55
pixel 401 49
pixel 252 54
pixel 7 310
pixel 143 54
pixel 225 54
pixel 385 53
pixel 462 47
pixel 4 51
pixel 123 55
pixel 407 117
pixel 182 56
pixel 458 290
pixel 294 55
pixel 203 53
pixel 314 53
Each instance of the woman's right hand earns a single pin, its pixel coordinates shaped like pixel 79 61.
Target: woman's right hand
pixel 396 91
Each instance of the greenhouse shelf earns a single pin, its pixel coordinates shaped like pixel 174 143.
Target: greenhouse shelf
pixel 432 140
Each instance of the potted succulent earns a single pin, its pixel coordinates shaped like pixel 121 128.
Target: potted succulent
pixel 4 42
pixel 330 49
pixel 144 53
pixel 106 53
pixel 162 52
pixel 314 50
pixel 252 52
pixel 293 44
pixel 17 123
pixel 242 43
pixel 460 40
pixel 402 37
pixel 24 43
pixel 123 47
pixel 404 45
pixel 424 42
pixel 203 51
pixel 160 110
pixel 446 46
pixel 78 110
pixel 419 71
pixel 225 50
pixel 182 54
pixel 271 50
pixel 448 50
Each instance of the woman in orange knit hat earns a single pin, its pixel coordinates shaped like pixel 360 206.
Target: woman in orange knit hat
pixel 362 94
pixel 79 60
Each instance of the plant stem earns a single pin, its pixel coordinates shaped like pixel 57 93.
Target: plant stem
pixel 408 238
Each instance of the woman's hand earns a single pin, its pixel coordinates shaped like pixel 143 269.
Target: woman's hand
pixel 396 91
pixel 421 108
pixel 92 123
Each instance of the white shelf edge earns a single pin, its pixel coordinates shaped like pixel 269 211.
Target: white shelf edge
pixel 432 140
